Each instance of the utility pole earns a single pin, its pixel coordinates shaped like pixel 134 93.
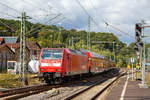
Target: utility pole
pixel 89 41
pixel 148 56
pixel 59 35
pixel 69 42
pixel 51 41
pixel 22 47
pixel 143 85
pixel 72 43
pixel 22 67
pixel 114 51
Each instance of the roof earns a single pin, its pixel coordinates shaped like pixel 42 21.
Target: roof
pixel 4 45
pixel 13 45
pixel 31 45
pixel 10 39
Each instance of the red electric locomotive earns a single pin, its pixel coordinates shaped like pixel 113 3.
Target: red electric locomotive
pixel 57 63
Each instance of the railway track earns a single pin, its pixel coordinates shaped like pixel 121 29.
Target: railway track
pixel 18 93
pixel 86 93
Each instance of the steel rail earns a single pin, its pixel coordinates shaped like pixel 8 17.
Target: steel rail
pixel 17 93
pixel 20 90
pixel 91 86
pixel 105 88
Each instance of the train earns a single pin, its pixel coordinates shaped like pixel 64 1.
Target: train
pixel 58 64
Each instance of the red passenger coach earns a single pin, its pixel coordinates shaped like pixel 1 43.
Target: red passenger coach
pixel 98 63
pixel 57 63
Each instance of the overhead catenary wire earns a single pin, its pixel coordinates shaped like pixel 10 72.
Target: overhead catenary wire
pixel 66 18
pixel 32 27
pixel 18 12
pixel 59 21
pixel 7 26
pixel 95 10
pixel 88 14
pixel 47 11
pixel 10 7
pixel 37 6
pixel 32 17
pixel 43 26
pixel 44 23
pixel 110 30
pixel 125 33
pixel 33 4
pixel 8 14
pixel 119 30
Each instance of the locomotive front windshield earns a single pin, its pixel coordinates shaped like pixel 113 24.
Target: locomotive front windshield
pixel 52 54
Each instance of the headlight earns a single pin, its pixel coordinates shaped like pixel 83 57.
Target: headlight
pixel 42 69
pixel 56 64
pixel 44 64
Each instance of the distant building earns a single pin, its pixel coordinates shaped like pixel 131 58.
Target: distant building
pixel 34 49
pixel 6 54
pixel 15 47
pixel 10 50
pixel 9 39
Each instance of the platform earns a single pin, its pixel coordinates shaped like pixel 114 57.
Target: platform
pixel 128 89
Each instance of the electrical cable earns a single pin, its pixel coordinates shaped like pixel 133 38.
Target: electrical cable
pixel 9 7
pixel 8 15
pixel 109 24
pixel 7 26
pixel 44 23
pixel 119 30
pixel 66 18
pixel 25 1
pixel 87 13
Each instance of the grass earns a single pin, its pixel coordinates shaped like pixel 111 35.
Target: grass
pixel 9 81
pixel 12 80
pixel 33 81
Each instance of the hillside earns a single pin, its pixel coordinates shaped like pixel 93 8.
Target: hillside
pixel 49 35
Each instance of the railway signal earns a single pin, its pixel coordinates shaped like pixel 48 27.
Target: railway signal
pixel 136 47
pixel 138 37
pixel 138 31
pixel 140 48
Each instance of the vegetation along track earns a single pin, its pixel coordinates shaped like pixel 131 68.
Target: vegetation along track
pixel 79 94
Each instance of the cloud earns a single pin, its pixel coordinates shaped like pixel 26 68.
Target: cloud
pixel 120 13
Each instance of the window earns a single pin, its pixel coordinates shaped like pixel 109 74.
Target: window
pixel 52 54
pixel 10 65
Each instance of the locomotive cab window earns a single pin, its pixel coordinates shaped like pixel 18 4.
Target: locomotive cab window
pixel 52 54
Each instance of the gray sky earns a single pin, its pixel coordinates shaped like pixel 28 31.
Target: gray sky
pixel 123 14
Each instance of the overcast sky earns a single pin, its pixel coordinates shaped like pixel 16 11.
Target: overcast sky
pixel 122 14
